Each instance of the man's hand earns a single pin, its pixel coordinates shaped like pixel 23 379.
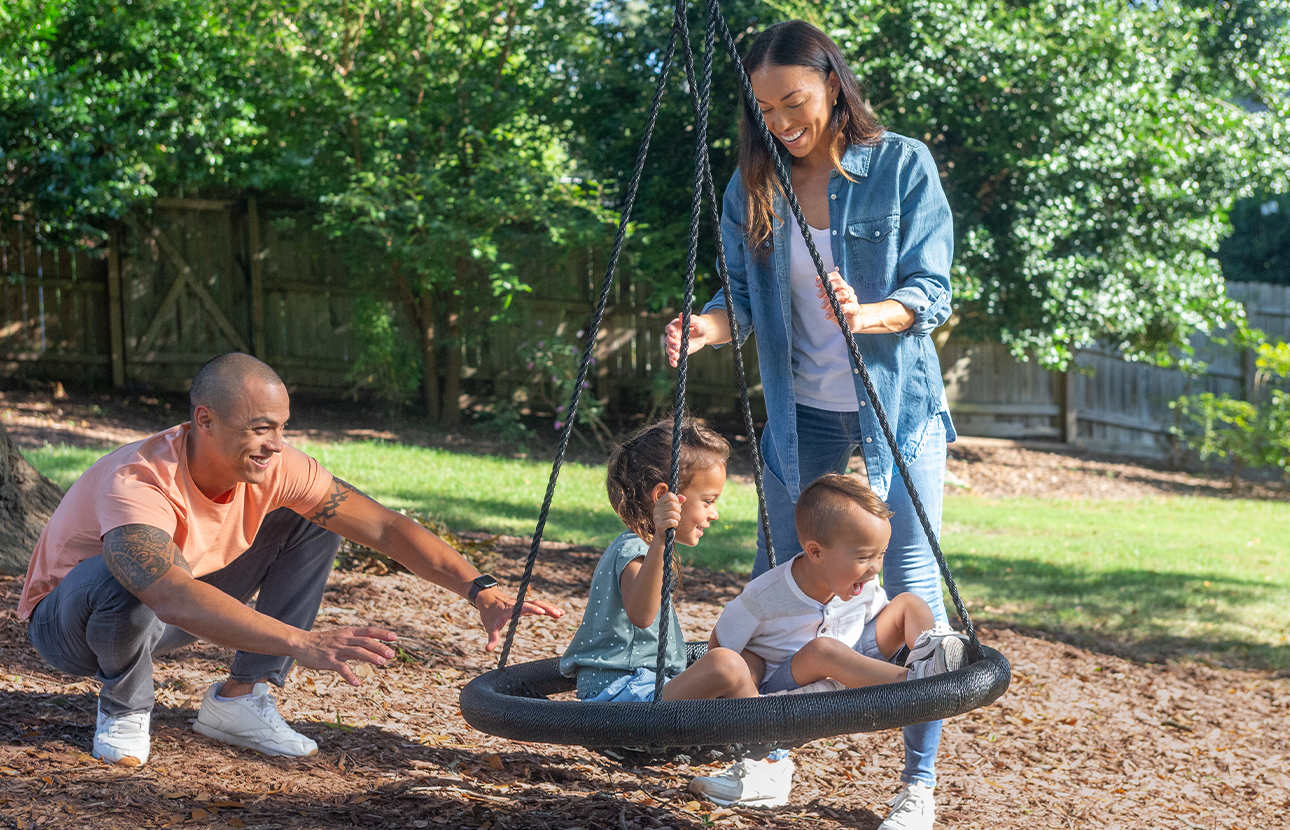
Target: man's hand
pixel 495 609
pixel 332 650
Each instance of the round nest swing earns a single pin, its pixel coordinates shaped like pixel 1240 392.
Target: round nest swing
pixel 514 701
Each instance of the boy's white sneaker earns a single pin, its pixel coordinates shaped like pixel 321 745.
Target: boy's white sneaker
pixel 936 652
pixel 750 783
pixel 122 739
pixel 251 721
pixel 912 809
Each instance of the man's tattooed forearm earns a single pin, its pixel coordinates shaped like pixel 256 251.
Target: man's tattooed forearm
pixel 341 490
pixel 139 555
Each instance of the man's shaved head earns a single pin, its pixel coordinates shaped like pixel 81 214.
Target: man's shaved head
pixel 221 378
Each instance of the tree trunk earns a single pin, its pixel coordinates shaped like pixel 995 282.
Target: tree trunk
pixel 27 500
pixel 430 375
pixel 449 406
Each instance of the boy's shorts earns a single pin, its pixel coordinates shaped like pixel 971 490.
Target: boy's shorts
pixel 782 680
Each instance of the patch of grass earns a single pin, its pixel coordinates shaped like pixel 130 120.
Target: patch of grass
pixel 62 464
pixel 1156 578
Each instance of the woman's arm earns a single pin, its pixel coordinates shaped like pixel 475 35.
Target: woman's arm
pixel 921 299
pixel 886 317
pixel 712 327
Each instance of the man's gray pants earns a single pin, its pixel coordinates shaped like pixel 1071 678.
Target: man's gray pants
pixel 93 627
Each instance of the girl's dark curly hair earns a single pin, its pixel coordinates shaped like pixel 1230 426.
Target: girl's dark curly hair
pixel 637 465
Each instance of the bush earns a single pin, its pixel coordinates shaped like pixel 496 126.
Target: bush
pixel 1249 434
pixel 387 364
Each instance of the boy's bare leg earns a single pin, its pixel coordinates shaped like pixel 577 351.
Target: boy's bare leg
pixel 721 673
pixel 900 622
pixel 826 657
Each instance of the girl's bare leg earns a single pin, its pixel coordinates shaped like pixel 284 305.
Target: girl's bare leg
pixel 721 673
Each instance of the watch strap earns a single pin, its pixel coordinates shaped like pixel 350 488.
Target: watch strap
pixel 480 583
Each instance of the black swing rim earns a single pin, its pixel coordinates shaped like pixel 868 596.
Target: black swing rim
pixel 513 703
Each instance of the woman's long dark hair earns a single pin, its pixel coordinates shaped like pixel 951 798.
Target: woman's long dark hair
pixel 796 43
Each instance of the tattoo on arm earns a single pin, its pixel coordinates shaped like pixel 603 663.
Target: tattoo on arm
pixel 139 555
pixel 340 491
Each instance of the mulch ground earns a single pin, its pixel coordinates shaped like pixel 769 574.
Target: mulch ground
pixel 1080 739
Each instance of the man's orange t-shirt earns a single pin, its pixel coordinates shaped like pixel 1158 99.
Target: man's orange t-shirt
pixel 148 483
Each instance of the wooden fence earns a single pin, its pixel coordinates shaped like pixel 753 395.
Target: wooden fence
pixel 189 278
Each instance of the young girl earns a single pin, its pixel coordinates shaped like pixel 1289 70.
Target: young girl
pixel 614 652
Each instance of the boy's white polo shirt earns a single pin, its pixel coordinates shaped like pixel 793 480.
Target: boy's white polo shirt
pixel 774 617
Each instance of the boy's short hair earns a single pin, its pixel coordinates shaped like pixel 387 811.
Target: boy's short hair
pixel 823 504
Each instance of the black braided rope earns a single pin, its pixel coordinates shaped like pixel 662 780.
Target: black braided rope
pixel 702 99
pixel 592 332
pixel 750 100
pixel 680 25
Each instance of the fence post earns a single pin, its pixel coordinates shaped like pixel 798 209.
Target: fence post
pixel 115 322
pixel 1070 411
pixel 257 277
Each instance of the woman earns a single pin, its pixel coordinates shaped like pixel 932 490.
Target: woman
pixel 880 220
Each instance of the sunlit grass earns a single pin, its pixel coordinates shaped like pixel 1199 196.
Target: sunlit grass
pixel 1173 577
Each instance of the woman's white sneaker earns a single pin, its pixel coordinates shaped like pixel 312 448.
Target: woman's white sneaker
pixel 251 721
pixel 912 809
pixel 122 739
pixel 750 783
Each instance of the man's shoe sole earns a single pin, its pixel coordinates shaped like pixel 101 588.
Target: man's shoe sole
pixel 760 802
pixel 237 740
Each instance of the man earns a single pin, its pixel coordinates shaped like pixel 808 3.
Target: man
pixel 163 541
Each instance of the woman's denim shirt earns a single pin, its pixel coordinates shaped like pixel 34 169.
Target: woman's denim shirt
pixel 892 238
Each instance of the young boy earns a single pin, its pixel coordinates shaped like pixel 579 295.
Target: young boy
pixel 822 622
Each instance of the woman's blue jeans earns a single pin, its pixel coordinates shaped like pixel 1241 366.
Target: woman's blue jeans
pixel 825 442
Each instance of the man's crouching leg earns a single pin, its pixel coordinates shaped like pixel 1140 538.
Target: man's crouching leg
pixel 93 627
pixel 288 563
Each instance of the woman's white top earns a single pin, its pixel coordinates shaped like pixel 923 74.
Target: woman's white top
pixel 821 366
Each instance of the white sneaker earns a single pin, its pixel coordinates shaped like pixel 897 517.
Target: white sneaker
pixel 912 809
pixel 749 783
pixel 251 721
pixel 828 684
pixel 936 652
pixel 123 739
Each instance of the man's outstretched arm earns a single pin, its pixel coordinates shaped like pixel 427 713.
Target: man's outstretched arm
pixel 149 565
pixel 358 518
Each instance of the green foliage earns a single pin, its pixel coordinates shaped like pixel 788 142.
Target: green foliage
pixel 103 105
pixel 424 130
pixel 1259 248
pixel 1090 150
pixel 1249 434
pixel 386 364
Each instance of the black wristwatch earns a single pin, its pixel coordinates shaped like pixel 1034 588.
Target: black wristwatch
pixel 481 583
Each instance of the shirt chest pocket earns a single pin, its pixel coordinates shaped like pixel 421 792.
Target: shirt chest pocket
pixel 872 249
